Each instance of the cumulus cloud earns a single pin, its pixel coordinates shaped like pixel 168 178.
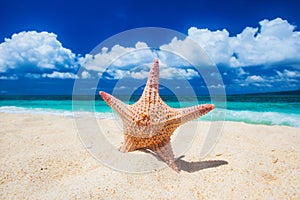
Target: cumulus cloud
pixel 118 56
pixel 215 43
pixel 12 77
pixel 85 75
pixel 185 51
pixel 60 75
pixel 139 75
pixel 254 78
pixel 273 42
pixel 135 62
pixel 241 72
pixel 283 79
pixel 36 53
pixel 288 74
pixel 178 73
pixel 142 72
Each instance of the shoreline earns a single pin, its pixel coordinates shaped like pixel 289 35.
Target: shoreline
pixel 43 157
pixel 110 115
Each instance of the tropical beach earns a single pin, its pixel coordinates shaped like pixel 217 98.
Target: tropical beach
pixel 150 100
pixel 42 157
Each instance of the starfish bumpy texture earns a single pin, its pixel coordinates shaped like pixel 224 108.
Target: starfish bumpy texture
pixel 150 122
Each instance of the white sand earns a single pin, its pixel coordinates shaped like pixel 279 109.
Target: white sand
pixel 42 157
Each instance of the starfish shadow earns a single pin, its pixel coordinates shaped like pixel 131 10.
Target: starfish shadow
pixel 199 165
pixel 191 166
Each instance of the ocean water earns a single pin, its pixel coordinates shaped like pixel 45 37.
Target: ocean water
pixel 254 109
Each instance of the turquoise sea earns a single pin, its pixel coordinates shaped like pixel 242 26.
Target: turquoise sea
pixel 268 109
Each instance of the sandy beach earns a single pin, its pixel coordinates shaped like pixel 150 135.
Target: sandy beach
pixel 42 157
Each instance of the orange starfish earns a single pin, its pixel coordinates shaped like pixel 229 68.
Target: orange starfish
pixel 150 122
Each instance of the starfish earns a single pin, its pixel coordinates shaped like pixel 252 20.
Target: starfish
pixel 149 123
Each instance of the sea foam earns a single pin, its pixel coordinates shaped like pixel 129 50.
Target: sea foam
pixel 267 118
pixel 252 117
pixel 22 110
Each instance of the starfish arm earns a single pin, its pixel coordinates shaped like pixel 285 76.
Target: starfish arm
pixel 129 144
pixel 117 105
pixel 190 113
pixel 153 79
pixel 165 152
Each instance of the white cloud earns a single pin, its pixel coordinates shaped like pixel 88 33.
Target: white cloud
pixel 31 75
pixel 142 72
pixel 36 53
pixel 39 54
pixel 60 75
pixel 12 77
pixel 241 72
pixel 182 52
pixel 216 86
pixel 288 74
pixel 85 75
pixel 178 73
pixel 281 79
pixel 118 56
pixel 274 41
pixel 135 62
pixel 255 78
pixel 121 88
pixel 139 75
pixel 215 43
pixel 117 73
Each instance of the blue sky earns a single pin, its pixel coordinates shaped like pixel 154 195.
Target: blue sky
pixel 43 44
